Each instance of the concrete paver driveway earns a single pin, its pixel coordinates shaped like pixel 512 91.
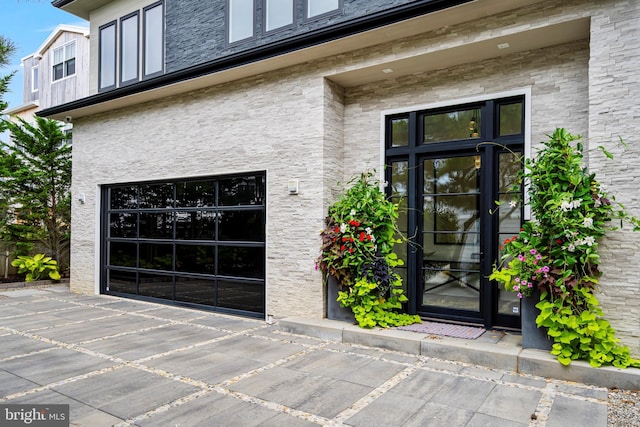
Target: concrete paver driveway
pixel 122 362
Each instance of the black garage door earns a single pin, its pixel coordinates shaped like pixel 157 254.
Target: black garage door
pixel 197 242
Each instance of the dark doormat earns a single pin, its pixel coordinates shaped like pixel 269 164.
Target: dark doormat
pixel 448 330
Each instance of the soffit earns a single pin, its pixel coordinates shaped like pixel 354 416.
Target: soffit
pixel 522 41
pixel 81 8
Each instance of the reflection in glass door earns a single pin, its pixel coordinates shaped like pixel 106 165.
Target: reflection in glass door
pixel 451 251
pixel 509 216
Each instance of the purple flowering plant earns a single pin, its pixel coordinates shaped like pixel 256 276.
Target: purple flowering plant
pixel 556 252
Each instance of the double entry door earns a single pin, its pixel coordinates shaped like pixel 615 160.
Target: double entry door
pixel 454 173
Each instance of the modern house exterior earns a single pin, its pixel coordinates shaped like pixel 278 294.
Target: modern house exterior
pixel 216 133
pixel 56 73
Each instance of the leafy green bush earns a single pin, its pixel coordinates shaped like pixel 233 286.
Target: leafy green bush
pixel 557 253
pixel 357 250
pixel 36 267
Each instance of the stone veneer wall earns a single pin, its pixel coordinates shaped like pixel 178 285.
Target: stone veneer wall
pixel 273 122
pixel 297 124
pixel 614 111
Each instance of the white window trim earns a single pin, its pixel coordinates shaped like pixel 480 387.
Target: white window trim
pixel 525 91
pixel 35 72
pixel 53 63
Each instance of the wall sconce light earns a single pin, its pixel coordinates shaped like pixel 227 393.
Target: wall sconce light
pixel 82 198
pixel 293 186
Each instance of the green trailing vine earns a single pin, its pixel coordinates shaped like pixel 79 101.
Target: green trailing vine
pixel 557 253
pixel 357 251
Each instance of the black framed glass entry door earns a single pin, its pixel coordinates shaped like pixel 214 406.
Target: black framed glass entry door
pixel 446 169
pixel 450 232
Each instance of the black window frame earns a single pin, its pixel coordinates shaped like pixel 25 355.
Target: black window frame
pixel 282 27
pixel 228 24
pixel 113 24
pixel 413 153
pixel 307 18
pixel 121 43
pixel 143 49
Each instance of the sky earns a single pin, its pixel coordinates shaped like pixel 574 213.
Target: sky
pixel 28 23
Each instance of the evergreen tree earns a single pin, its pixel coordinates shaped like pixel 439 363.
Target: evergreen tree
pixel 35 188
pixel 6 50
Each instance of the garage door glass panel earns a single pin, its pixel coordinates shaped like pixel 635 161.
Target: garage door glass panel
pixel 196 194
pixel 241 295
pixel 123 225
pixel 156 256
pixel 241 261
pixel 176 241
pixel 155 196
pixel 156 285
pixel 196 259
pixel 123 281
pixel 242 225
pixel 196 291
pixel 156 225
pixel 242 191
pixel 123 254
pixel 124 197
pixel 196 225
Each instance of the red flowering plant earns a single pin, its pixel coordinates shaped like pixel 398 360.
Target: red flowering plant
pixel 357 251
pixel 360 228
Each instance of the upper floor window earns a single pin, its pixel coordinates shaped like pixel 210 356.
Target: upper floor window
pixel 248 18
pixel 107 56
pixel 241 19
pixel 135 48
pixel 278 14
pixel 64 61
pixel 153 40
pixel 34 79
pixel 320 7
pixel 129 54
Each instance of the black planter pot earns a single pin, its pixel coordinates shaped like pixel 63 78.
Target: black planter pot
pixel 532 336
pixel 334 310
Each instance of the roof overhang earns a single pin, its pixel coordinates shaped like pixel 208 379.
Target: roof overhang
pixel 62 28
pixel 410 20
pixel 21 108
pixel 81 8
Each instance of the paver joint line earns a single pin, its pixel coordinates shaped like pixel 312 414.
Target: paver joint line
pixel 302 346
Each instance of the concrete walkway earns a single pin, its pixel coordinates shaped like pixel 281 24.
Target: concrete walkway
pixel 122 362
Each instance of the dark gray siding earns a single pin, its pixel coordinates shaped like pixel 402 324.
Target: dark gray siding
pixel 196 29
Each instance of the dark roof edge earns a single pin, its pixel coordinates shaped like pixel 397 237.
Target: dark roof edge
pixel 323 35
pixel 60 3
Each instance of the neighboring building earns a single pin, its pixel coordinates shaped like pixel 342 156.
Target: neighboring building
pixel 202 113
pixel 56 73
